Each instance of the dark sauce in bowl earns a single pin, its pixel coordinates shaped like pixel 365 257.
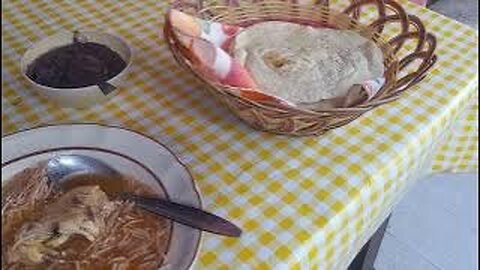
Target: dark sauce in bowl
pixel 76 65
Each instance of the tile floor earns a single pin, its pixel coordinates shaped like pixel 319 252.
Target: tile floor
pixel 434 227
pixel 464 11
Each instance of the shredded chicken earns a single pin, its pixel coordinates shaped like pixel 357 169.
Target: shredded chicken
pixel 81 211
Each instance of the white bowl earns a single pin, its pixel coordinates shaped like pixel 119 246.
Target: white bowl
pixel 84 96
pixel 127 151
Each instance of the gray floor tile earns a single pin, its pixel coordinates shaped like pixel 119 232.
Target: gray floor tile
pixel 394 255
pixel 436 221
pixel 464 11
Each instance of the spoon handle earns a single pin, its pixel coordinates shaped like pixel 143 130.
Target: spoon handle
pixel 106 88
pixel 186 215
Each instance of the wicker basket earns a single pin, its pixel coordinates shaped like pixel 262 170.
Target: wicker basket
pixel 408 53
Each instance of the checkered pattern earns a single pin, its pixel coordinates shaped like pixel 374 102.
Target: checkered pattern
pixel 304 203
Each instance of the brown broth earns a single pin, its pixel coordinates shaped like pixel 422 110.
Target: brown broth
pixel 134 238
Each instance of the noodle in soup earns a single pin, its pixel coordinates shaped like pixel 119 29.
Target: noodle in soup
pixel 80 227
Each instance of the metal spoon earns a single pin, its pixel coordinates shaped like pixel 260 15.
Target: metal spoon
pixel 61 168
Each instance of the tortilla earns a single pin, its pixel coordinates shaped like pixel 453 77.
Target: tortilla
pixel 303 64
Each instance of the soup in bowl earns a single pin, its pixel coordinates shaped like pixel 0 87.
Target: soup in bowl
pixel 80 226
pixel 83 226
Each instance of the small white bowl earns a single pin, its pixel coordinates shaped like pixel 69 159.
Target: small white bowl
pixel 83 96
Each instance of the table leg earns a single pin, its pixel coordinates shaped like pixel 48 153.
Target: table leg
pixel 365 259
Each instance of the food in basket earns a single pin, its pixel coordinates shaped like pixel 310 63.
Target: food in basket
pixel 76 65
pixel 80 228
pixel 282 62
pixel 303 64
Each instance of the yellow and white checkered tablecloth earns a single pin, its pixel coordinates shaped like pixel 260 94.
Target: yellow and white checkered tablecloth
pixel 304 203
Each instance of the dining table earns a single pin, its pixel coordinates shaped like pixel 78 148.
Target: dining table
pixel 302 202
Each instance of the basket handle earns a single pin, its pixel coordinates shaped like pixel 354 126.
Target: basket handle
pixel 424 49
pixel 428 60
pixel 355 7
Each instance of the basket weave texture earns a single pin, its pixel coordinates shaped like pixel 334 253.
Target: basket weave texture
pixel 407 47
